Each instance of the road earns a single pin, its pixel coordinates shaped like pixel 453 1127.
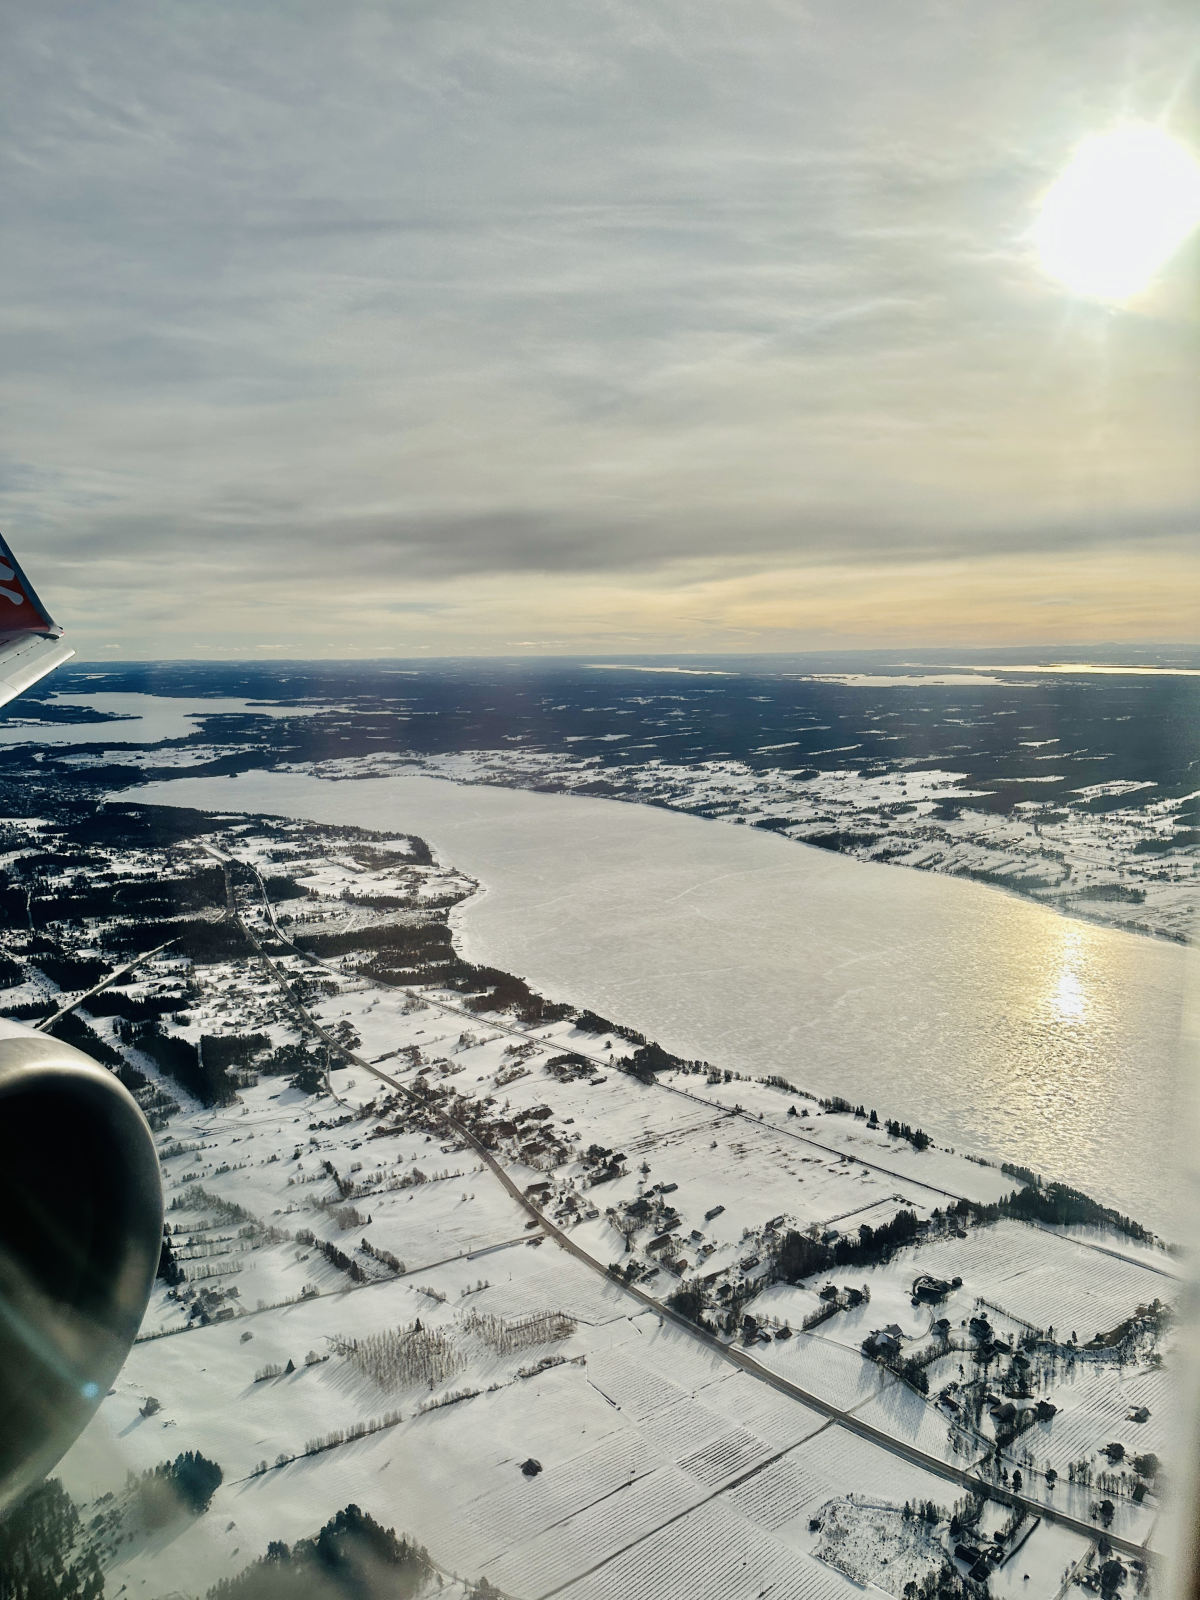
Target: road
pixel 47 1023
pixel 963 1478
pixel 340 1293
pixel 606 1063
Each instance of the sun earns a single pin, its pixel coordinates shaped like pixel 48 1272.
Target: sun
pixel 1126 202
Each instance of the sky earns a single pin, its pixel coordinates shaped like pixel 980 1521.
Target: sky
pixel 455 328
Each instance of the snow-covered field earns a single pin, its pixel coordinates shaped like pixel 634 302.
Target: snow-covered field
pixel 1001 1026
pixel 665 1470
pixel 367 1313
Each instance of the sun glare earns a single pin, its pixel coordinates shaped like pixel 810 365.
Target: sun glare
pixel 1126 202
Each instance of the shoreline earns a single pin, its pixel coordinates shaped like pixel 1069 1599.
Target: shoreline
pixel 1008 1030
pixel 981 880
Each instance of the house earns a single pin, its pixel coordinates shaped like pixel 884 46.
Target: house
pixel 975 1560
pixel 930 1289
pixel 537 1191
pixel 660 1243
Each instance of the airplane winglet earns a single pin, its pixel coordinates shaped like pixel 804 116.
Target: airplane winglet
pixel 21 611
pixel 30 639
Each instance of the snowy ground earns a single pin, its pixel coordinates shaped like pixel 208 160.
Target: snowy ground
pixel 1001 1026
pixel 1069 857
pixel 666 1469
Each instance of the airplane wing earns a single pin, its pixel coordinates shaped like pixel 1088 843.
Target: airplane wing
pixel 30 640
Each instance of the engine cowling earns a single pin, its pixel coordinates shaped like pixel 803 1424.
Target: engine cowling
pixel 80 1235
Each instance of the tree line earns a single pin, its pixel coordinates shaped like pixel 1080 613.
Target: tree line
pixel 800 1256
pixel 352 1558
pixel 36 1536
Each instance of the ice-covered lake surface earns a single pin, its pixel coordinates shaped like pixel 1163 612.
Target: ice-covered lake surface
pixel 999 1026
pixel 144 718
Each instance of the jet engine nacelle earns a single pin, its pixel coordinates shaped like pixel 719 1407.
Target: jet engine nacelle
pixel 80 1235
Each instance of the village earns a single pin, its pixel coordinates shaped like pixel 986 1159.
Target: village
pixel 427 1227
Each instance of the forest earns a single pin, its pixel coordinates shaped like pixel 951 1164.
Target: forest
pixel 34 1534
pixel 800 1256
pixel 352 1558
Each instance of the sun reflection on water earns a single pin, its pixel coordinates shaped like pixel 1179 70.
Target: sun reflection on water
pixel 1068 998
pixel 1067 976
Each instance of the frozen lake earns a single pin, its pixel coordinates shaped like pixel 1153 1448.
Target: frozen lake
pixel 144 718
pixel 997 1025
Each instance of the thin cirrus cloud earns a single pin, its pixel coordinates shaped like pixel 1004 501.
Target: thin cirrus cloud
pixel 663 301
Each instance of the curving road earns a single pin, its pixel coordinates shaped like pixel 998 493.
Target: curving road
pixel 963 1478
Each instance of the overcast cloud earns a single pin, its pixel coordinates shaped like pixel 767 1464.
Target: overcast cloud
pixel 444 327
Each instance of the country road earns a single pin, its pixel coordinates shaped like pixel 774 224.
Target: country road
pixel 690 1094
pixel 964 1478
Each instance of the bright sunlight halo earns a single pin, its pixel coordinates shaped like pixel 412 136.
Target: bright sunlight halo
pixel 1126 202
